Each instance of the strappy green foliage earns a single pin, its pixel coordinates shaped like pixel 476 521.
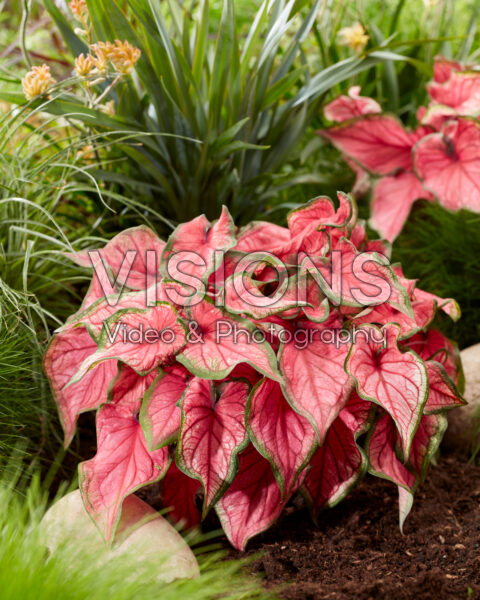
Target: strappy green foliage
pixel 242 95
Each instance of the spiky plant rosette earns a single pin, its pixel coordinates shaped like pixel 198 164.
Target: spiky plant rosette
pixel 241 377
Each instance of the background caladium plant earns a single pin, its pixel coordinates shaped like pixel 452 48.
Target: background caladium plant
pixel 239 424
pixel 440 159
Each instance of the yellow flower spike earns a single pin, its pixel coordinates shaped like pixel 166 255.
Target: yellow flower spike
pixel 37 81
pixel 79 9
pixel 86 153
pixel 354 37
pixel 100 50
pixel 84 65
pixel 108 108
pixel 123 56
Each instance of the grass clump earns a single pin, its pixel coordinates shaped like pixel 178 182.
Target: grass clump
pixel 28 572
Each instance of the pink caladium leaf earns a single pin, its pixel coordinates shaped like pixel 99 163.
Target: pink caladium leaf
pixel 216 345
pixel 244 372
pixel 131 258
pixel 424 307
pixel 252 502
pixel 383 314
pixel 461 91
pixel 201 238
pixel 94 316
pixel 448 305
pixel 382 451
pixel 382 456
pixel 321 212
pixel 392 200
pixel 378 143
pixel 160 416
pixel 317 307
pixel 99 286
pixel 426 442
pixel 436 115
pixel 362 182
pixel 357 279
pixel 381 247
pixel 260 235
pixel 121 465
pixel 212 434
pixel 447 164
pixel 281 435
pixel 443 68
pixel 384 463
pixel 432 344
pixel 128 388
pixel 442 392
pixel 319 227
pixel 357 414
pixel 316 384
pixel 348 107
pixel 140 338
pixel 339 463
pixel 396 380
pixel 244 295
pixel 65 354
pixel 179 494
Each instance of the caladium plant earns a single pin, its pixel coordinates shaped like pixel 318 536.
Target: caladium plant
pixel 243 366
pixel 440 159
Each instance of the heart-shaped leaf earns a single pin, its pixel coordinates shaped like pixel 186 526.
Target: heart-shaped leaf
pixel 396 380
pixel 142 339
pixel 131 258
pixel 128 388
pixel 378 143
pixel 447 164
pixel 359 279
pixel 191 247
pixel 280 434
pixel 348 107
pixel 321 212
pixel 392 200
pixel 316 384
pixel 219 341
pixel 160 416
pixel 339 463
pixel 442 392
pixel 212 434
pixel 461 91
pixel 178 497
pixel 252 502
pixel 66 352
pixel 121 465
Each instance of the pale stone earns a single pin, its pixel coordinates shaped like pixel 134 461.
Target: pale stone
pixel 142 535
pixel 464 422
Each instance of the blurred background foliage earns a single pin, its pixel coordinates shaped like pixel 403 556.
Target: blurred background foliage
pixel 247 81
pixel 223 107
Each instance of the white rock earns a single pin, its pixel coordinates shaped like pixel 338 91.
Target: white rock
pixel 142 536
pixel 464 422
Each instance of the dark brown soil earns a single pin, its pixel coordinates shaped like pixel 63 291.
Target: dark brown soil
pixel 357 550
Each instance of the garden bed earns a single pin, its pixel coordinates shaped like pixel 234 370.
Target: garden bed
pixel 357 550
